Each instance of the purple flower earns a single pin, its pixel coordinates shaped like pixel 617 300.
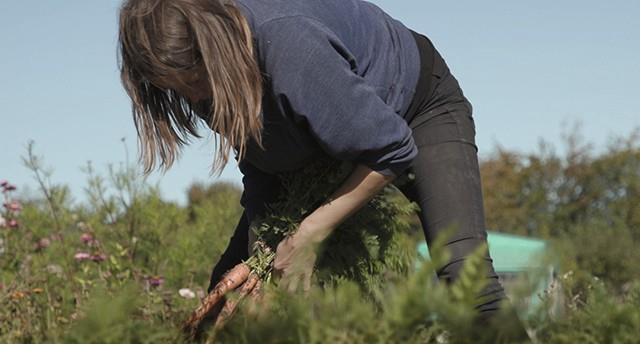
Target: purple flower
pixel 80 256
pixel 100 257
pixel 86 238
pixel 155 281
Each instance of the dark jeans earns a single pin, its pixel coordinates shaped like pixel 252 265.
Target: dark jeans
pixel 446 180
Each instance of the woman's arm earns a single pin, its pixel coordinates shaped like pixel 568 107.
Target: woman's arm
pixel 234 254
pixel 259 189
pixel 359 188
pixel 296 254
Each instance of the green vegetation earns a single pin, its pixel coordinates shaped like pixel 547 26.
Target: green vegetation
pixel 128 266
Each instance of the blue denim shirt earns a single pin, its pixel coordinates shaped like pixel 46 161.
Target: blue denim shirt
pixel 339 77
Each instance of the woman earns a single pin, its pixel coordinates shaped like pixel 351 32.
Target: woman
pixel 285 81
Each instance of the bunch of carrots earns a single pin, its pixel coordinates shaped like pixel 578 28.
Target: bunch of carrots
pixel 245 278
pixel 303 191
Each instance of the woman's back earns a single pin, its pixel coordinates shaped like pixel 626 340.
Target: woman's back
pixel 340 75
pixel 378 47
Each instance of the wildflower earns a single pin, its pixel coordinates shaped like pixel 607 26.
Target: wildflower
pixel 13 206
pixel 43 243
pixel 86 238
pixel 13 223
pixel 100 257
pixel 80 256
pixel 186 293
pixel 54 269
pixel 155 281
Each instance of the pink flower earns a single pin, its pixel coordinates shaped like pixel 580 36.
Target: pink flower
pixel 100 257
pixel 80 256
pixel 155 281
pixel 13 223
pixel 13 206
pixel 86 238
pixel 43 243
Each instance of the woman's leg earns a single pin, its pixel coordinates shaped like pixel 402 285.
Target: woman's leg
pixel 448 191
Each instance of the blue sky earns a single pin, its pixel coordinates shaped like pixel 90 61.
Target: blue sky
pixel 527 66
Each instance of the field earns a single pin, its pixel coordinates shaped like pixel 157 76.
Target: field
pixel 127 266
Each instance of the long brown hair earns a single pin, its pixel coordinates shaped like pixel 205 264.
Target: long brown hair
pixel 170 39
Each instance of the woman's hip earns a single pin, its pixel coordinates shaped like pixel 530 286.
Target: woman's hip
pixel 446 123
pixel 440 94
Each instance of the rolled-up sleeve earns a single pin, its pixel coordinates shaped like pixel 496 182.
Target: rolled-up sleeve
pixel 314 74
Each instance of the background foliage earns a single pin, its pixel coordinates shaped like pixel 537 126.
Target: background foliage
pixel 128 266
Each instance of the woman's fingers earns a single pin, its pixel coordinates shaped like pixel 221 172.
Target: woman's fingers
pixel 292 283
pixel 294 264
pixel 306 286
pixel 284 254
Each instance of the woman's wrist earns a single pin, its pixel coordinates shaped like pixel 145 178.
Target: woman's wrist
pixel 356 191
pixel 313 232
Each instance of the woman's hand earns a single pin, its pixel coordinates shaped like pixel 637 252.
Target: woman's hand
pixel 296 257
pixel 296 254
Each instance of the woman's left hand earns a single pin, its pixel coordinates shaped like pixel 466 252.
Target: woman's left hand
pixel 296 257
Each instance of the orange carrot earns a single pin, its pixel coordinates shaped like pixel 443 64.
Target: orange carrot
pixel 231 280
pixel 231 305
pixel 255 298
pixel 255 293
